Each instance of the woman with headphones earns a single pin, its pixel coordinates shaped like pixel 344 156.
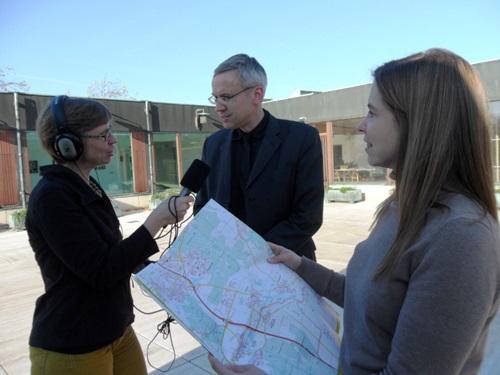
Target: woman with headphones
pixel 83 321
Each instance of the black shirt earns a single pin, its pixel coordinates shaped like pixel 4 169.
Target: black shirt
pixel 237 203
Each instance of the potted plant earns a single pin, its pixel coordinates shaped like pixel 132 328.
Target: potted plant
pixel 158 197
pixel 343 194
pixel 17 218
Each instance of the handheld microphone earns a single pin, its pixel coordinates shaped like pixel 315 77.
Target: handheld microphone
pixel 195 177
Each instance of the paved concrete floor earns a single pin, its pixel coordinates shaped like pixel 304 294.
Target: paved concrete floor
pixel 344 226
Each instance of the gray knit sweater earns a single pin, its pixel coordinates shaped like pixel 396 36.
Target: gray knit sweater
pixel 433 316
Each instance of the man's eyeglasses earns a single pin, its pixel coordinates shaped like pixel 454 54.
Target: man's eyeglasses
pixel 224 99
pixel 104 136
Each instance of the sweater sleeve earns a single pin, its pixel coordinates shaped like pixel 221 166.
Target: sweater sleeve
pixel 326 282
pixel 451 300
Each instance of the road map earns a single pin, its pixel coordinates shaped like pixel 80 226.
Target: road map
pixel 216 282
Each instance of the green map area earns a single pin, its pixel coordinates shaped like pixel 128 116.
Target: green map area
pixel 216 282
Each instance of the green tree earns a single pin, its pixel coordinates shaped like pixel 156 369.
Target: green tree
pixel 7 85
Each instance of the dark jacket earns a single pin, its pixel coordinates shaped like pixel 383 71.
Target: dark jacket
pixel 84 262
pixel 284 194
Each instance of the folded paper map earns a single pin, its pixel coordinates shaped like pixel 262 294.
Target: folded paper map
pixel 216 282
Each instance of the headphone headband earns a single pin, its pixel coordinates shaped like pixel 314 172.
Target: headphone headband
pixel 57 108
pixel 66 144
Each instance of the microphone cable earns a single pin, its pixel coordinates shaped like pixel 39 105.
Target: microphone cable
pixel 164 327
pixel 174 228
pixel 173 232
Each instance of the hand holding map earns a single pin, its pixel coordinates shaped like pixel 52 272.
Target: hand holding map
pixel 216 282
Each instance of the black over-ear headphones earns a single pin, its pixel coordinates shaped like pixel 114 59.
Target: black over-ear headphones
pixel 67 145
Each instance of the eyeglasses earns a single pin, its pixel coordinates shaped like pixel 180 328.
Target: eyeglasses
pixel 104 136
pixel 224 99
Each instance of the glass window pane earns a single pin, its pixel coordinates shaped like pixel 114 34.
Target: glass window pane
pixel 165 154
pixel 37 158
pixel 117 176
pixel 192 147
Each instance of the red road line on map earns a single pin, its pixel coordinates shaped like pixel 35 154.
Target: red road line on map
pixel 242 324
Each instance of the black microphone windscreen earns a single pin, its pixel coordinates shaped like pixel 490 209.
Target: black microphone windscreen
pixel 195 175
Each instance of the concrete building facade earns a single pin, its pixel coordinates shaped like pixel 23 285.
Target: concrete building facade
pixel 158 141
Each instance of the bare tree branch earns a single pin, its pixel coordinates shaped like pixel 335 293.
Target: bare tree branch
pixel 109 89
pixel 11 86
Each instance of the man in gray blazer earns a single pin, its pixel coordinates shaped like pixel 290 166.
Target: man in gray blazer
pixel 266 171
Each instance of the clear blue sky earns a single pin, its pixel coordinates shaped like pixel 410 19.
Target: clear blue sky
pixel 166 51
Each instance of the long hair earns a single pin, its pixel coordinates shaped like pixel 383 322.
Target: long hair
pixel 81 116
pixel 441 106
